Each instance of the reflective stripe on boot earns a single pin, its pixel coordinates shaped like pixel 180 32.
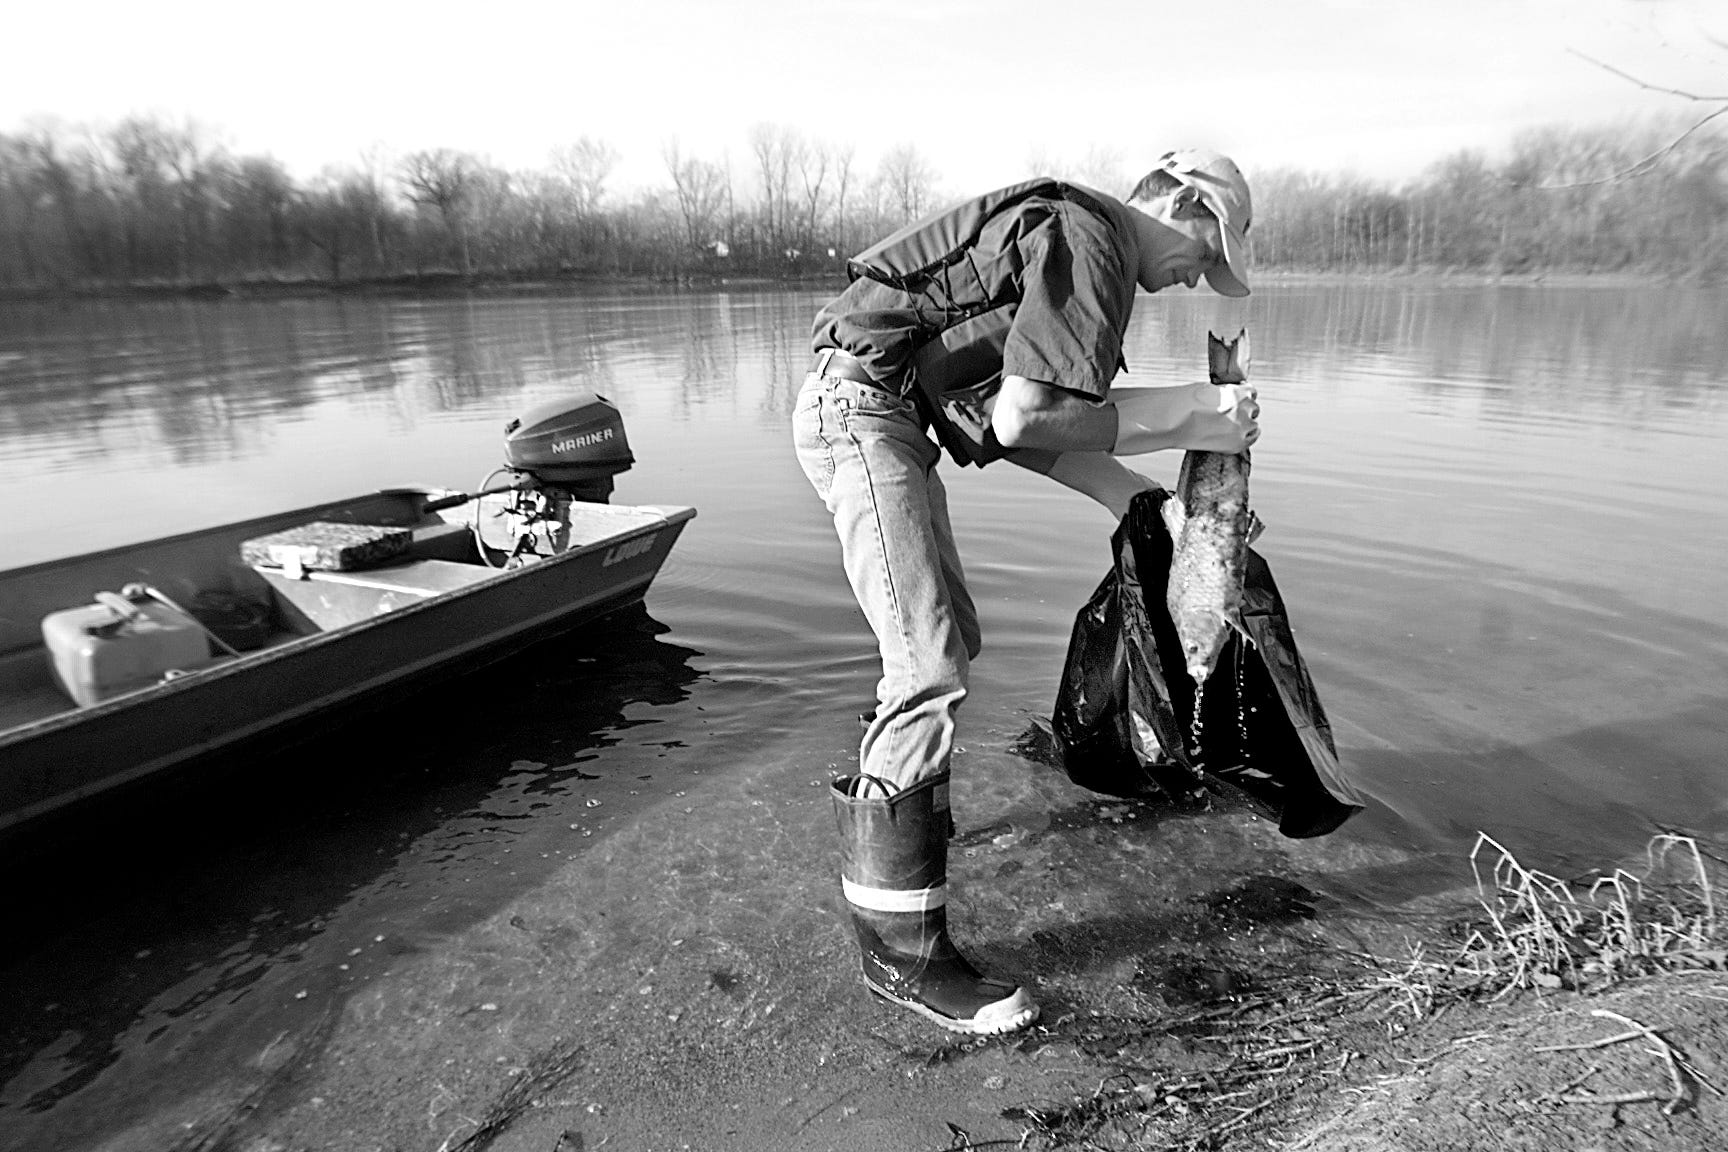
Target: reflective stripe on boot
pixel 894 872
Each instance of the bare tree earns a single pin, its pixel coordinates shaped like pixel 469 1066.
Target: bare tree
pixel 373 178
pixel 260 200
pixel 700 188
pixel 584 168
pixel 335 217
pixel 907 181
pixel 51 173
pixel 444 181
pixel 1099 168
pixel 842 185
pixel 778 151
pixel 165 172
pixel 814 163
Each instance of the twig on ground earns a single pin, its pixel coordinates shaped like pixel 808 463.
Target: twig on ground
pixel 1617 1038
pixel 1681 1097
pixel 1576 1081
pixel 1644 1097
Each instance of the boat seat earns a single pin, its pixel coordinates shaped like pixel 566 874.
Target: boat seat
pixel 428 577
pixel 332 599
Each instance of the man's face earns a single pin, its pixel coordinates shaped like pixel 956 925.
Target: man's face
pixel 1179 239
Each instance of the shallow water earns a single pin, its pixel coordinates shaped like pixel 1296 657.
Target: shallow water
pixel 1496 515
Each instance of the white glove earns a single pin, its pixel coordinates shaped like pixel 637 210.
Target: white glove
pixel 1195 417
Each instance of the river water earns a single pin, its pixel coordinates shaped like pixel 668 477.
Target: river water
pixel 1497 515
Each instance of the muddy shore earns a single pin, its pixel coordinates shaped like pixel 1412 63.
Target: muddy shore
pixel 719 1008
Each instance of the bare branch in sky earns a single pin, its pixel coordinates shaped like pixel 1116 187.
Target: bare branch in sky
pixel 1642 166
pixel 1645 84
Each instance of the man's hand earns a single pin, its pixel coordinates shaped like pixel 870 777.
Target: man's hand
pixel 1239 404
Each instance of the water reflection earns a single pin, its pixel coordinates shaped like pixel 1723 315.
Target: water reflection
pixel 1520 351
pixel 204 381
pixel 314 867
pixel 1495 515
pixel 205 372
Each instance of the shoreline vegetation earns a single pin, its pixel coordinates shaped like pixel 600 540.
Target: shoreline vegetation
pixel 150 207
pixel 456 284
pixel 1586 1013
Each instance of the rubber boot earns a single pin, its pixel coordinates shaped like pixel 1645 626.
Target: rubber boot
pixel 894 871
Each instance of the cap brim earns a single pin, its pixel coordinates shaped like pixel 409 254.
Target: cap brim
pixel 1229 278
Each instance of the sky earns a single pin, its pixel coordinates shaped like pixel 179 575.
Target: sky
pixel 1381 88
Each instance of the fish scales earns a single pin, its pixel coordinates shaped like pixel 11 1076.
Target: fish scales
pixel 1208 518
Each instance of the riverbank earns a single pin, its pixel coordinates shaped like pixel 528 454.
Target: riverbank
pixel 683 978
pixel 341 945
pixel 431 284
pixel 710 280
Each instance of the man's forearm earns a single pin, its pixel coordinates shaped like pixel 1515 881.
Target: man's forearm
pixel 1032 414
pixel 1202 417
pixel 1096 474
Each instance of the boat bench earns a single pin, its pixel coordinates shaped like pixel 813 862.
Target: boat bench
pixel 329 600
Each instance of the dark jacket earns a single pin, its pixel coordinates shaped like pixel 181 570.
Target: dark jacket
pixel 1044 292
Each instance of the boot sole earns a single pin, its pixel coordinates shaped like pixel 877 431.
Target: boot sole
pixel 1016 1012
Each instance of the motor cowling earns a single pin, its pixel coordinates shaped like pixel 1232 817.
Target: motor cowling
pixel 576 443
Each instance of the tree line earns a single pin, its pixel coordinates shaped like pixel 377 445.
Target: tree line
pixel 149 202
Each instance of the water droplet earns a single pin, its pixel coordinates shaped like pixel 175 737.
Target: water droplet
pixel 1241 709
pixel 1196 725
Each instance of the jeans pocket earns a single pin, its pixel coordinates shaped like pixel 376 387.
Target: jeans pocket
pixel 868 401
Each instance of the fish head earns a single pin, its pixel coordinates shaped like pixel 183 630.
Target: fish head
pixel 1203 634
pixel 1227 360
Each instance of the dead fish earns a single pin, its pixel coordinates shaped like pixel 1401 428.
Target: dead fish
pixel 1209 521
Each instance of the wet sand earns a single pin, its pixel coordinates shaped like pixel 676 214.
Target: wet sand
pixel 687 979
pixel 672 968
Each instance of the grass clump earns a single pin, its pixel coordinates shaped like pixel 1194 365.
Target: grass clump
pixel 1235 1072
pixel 1545 932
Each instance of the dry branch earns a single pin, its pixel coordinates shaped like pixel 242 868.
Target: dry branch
pixel 1638 168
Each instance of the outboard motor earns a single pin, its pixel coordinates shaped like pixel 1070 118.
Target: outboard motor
pixel 556 454
pixel 576 444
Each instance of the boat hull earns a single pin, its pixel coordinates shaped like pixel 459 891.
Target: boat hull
pixel 420 620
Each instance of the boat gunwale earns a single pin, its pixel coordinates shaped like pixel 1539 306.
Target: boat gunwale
pixel 666 516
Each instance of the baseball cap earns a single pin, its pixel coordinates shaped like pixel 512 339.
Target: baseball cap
pixel 1224 191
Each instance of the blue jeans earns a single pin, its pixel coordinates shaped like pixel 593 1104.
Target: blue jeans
pixel 875 468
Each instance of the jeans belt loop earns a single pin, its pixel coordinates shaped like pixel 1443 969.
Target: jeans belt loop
pixel 851 370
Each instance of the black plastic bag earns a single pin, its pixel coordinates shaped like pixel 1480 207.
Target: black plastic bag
pixel 1122 718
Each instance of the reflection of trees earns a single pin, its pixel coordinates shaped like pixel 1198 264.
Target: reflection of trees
pixel 1623 353
pixel 240 868
pixel 706 348
pixel 785 321
pixel 198 380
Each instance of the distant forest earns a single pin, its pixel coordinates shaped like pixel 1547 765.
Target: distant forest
pixel 149 203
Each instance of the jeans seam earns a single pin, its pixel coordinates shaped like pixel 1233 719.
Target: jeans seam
pixel 819 413
pixel 823 416
pixel 891 732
